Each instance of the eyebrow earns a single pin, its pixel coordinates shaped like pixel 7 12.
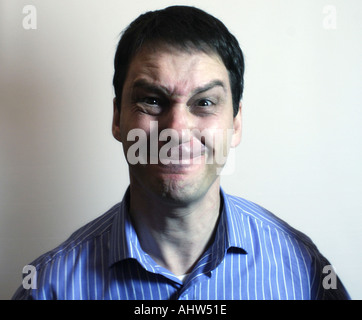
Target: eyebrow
pixel 144 84
pixel 209 86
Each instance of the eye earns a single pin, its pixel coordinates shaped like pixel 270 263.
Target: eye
pixel 204 103
pixel 151 101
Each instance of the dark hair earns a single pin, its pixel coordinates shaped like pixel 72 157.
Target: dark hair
pixel 187 28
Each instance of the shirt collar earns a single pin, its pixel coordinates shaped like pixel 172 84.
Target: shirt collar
pixel 229 233
pixel 124 243
pixel 234 224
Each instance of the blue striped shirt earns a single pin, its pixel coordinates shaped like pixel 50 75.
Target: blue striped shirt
pixel 254 255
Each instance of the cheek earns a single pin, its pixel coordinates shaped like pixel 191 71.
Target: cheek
pixel 135 134
pixel 218 139
pixel 131 123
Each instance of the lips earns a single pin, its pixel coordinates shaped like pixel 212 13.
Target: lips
pixel 183 153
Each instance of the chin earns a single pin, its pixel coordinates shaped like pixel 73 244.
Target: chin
pixel 180 192
pixel 177 193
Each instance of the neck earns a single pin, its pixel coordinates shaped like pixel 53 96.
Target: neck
pixel 175 235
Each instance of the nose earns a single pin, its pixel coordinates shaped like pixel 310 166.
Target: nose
pixel 178 119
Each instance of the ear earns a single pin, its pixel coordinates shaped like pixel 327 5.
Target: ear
pixel 237 124
pixel 116 127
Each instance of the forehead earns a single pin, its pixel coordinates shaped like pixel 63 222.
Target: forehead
pixel 179 71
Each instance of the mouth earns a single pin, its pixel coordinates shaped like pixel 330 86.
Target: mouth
pixel 186 153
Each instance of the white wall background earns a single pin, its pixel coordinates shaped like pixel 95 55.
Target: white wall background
pixel 301 151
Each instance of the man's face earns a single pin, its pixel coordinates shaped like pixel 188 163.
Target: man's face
pixel 182 103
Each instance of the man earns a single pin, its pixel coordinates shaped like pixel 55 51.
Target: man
pixel 176 234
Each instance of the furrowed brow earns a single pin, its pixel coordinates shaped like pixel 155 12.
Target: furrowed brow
pixel 209 86
pixel 143 84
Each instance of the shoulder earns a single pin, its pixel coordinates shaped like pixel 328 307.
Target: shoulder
pixel 54 268
pixel 91 231
pixel 265 223
pixel 268 236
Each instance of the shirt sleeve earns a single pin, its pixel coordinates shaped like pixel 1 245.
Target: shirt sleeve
pixel 326 285
pixel 35 287
pixel 22 294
